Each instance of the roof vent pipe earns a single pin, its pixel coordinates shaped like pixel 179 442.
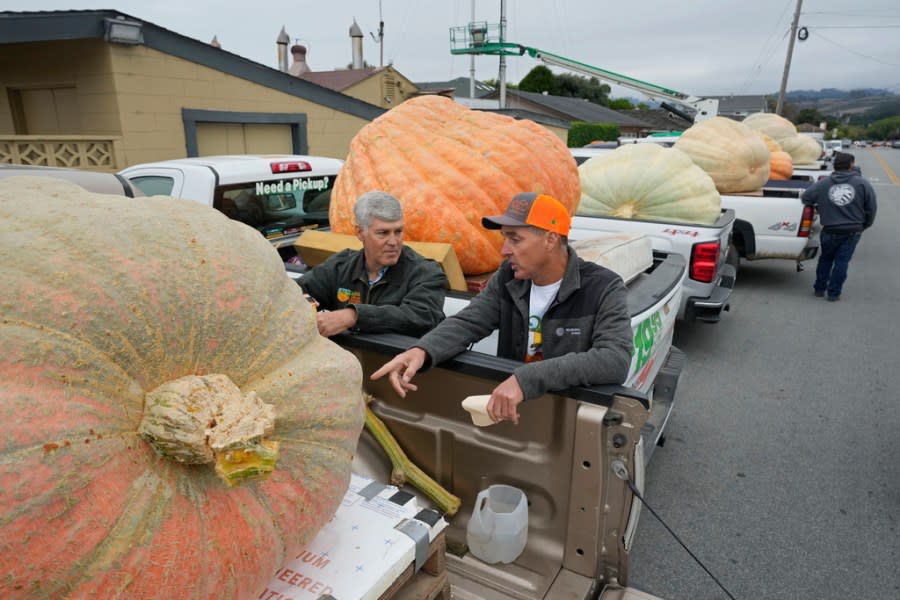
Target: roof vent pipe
pixel 299 66
pixel 282 42
pixel 356 37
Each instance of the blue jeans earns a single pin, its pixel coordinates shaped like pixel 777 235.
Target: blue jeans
pixel 837 250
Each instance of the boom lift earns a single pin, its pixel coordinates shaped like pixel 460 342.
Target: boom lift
pixel 480 38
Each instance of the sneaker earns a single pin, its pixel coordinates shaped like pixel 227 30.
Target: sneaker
pixel 818 293
pixel 833 298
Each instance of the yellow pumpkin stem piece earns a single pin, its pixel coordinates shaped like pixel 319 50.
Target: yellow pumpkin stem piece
pixel 404 471
pixel 206 419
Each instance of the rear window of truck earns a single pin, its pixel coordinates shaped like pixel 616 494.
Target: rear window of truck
pixel 277 208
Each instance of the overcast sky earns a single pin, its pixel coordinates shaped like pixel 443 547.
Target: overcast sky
pixel 699 47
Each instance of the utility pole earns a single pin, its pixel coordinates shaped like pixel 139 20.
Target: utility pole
pixel 472 62
pixel 380 39
pixel 502 56
pixel 787 61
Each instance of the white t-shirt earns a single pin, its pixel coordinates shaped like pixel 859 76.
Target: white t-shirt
pixel 538 302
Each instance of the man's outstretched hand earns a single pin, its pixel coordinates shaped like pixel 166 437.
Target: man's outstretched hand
pixel 401 369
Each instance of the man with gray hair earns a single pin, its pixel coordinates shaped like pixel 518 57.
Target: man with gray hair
pixel 386 286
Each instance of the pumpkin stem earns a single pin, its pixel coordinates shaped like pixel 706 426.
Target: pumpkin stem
pixel 405 471
pixel 207 420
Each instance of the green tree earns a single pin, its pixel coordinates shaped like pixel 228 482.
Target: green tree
pixel 576 86
pixel 885 129
pixel 495 83
pixel 809 115
pixel 540 79
pixel 620 104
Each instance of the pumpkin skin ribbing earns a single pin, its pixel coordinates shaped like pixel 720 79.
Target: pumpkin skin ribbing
pixel 647 181
pixel 449 166
pixel 731 153
pixel 775 126
pixel 106 298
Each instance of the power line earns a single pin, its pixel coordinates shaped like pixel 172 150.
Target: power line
pixel 758 66
pixel 857 14
pixel 853 27
pixel 860 54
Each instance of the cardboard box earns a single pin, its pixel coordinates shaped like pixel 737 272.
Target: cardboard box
pixel 315 246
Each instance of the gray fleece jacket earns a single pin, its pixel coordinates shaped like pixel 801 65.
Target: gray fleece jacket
pixel 587 337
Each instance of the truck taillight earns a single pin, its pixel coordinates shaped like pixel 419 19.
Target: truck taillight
pixel 294 166
pixel 806 222
pixel 704 260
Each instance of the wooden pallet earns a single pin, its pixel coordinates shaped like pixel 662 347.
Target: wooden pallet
pixel 429 583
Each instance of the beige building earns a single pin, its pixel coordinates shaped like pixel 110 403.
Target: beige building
pixel 103 90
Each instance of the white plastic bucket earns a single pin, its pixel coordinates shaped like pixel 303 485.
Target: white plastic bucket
pixel 498 527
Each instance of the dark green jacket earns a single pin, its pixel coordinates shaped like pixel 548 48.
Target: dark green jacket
pixel 408 299
pixel 587 337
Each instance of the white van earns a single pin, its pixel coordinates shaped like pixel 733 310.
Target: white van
pixel 832 147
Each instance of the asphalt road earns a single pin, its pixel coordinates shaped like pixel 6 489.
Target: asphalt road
pixel 781 469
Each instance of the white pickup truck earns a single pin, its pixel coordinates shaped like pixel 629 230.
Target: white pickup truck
pixel 773 223
pixel 711 272
pixel 279 195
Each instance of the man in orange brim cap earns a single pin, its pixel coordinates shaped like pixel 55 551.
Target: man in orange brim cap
pixel 565 319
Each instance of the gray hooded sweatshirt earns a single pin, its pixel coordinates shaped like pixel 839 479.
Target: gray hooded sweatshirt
pixel 845 201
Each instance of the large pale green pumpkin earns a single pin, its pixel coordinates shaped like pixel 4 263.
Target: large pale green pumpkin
pixel 775 126
pixel 803 149
pixel 649 182
pixel 731 153
pixel 124 321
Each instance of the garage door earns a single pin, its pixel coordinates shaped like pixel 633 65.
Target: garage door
pixel 243 138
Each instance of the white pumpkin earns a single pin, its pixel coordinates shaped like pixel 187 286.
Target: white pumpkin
pixel 731 153
pixel 648 182
pixel 775 126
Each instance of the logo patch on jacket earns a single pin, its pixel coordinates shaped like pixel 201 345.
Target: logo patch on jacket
pixel 345 295
pixel 841 194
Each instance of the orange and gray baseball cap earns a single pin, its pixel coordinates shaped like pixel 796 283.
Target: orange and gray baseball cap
pixel 530 208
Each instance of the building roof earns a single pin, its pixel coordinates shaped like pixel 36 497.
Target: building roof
pixel 658 119
pixel 570 109
pixel 741 104
pixel 48 26
pixel 340 79
pixel 809 128
pixel 518 113
pixel 460 87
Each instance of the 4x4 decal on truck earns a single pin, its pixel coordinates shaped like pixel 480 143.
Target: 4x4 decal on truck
pixel 687 232
pixel 786 225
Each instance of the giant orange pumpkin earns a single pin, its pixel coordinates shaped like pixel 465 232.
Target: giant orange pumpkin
pixel 138 340
pixel 781 165
pixel 449 166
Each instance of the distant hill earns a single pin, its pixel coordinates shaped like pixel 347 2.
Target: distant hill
pixel 842 103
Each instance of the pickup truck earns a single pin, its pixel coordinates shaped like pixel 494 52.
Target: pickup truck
pixel 279 195
pixel 773 223
pixel 769 224
pixel 564 454
pixel 711 273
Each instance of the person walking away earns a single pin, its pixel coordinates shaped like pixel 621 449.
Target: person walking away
pixel 846 205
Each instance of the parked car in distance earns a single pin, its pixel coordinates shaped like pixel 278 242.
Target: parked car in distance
pixel 92 181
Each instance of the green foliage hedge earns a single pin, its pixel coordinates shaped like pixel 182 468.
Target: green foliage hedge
pixel 582 133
